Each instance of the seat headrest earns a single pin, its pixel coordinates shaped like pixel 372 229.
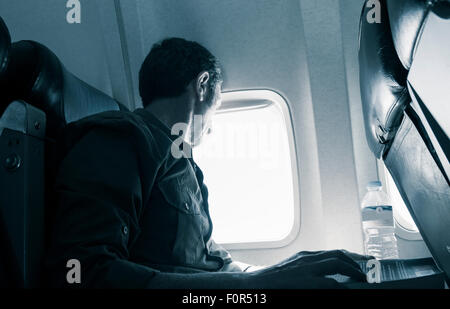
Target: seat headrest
pixel 36 76
pixel 383 81
pixel 5 44
pixel 407 18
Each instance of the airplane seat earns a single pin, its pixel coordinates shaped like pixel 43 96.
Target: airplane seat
pixel 36 75
pixel 5 45
pixel 404 81
pixel 7 260
pixel 38 98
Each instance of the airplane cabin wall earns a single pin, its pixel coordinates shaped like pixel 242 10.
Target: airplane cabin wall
pixel 304 50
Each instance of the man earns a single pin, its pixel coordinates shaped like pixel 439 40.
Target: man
pixel 132 205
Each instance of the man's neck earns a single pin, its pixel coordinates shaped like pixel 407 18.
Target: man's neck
pixel 171 110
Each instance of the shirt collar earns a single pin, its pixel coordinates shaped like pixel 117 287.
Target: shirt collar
pixel 150 117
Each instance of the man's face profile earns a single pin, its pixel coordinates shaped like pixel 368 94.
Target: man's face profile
pixel 203 116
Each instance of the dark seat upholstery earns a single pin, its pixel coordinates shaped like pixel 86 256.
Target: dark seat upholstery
pixel 5 45
pixel 402 95
pixel 8 265
pixel 38 98
pixel 36 76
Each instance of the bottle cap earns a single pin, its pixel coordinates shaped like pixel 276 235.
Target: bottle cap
pixel 374 184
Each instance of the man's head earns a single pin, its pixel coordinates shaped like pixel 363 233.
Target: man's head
pixel 177 68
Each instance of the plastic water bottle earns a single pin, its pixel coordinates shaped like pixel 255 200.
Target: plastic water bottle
pixel 378 223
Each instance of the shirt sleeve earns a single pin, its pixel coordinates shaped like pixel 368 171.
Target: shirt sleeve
pixel 100 188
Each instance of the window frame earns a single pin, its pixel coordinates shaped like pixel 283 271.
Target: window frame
pixel 400 230
pixel 240 100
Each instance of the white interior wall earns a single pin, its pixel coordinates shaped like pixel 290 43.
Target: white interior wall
pixel 365 161
pixel 333 124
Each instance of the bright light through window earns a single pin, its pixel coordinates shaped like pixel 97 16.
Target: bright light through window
pixel 246 161
pixel 401 212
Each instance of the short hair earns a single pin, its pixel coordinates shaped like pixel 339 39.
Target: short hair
pixel 171 65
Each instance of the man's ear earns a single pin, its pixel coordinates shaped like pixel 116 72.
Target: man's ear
pixel 202 85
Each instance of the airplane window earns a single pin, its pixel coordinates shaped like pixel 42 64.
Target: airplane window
pixel 246 161
pixel 401 212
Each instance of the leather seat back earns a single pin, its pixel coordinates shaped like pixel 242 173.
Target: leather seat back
pixel 5 45
pixel 36 76
pixel 384 90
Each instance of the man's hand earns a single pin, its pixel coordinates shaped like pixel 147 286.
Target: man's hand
pixel 349 256
pixel 309 270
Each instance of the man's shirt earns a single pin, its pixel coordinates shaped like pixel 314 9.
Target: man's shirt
pixel 127 208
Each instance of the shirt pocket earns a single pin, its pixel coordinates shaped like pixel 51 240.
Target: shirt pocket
pixel 183 193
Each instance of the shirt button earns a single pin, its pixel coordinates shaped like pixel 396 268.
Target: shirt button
pixel 186 206
pixel 125 230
